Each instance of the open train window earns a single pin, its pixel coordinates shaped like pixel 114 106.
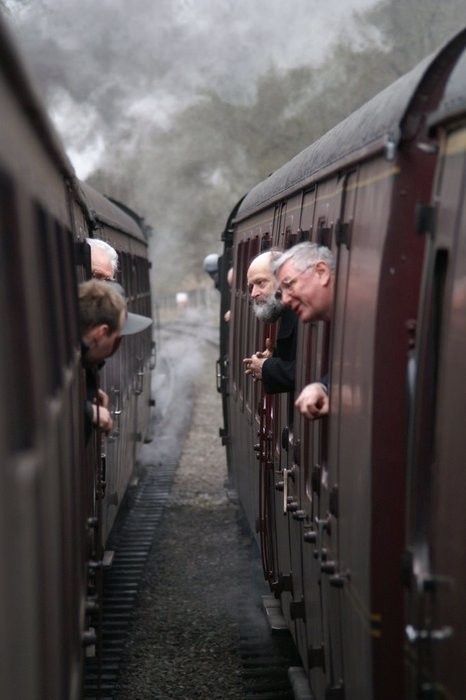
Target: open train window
pixel 131 289
pixel 278 217
pixel 233 308
pixel 146 287
pixel 16 383
pixel 50 303
pixel 244 332
pixel 236 309
pixel 67 291
pixel 423 452
pixel 123 265
pixel 251 339
pixel 266 242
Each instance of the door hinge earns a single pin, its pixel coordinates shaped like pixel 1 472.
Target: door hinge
pixel 333 502
pixel 282 584
pixel 336 692
pixel 425 218
pixel 324 235
pixel 297 610
pixel 343 232
pixel 316 657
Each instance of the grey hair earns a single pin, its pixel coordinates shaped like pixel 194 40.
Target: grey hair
pixel 111 252
pixel 305 254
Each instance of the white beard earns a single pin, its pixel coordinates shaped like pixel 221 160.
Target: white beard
pixel 269 310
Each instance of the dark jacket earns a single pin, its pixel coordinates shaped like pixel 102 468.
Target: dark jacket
pixel 278 372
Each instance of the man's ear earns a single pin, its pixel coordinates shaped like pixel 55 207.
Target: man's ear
pixel 100 331
pixel 323 272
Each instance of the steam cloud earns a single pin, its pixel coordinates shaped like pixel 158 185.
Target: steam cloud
pixel 107 65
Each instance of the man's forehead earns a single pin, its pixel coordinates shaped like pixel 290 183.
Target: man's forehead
pixel 259 269
pixel 100 256
pixel 288 268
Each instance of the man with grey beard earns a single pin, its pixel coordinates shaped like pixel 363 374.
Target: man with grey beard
pixel 275 367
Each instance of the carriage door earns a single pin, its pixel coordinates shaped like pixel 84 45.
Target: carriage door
pixel 327 445
pixel 291 510
pixel 435 564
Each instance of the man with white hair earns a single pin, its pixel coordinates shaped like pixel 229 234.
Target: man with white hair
pixel 104 260
pixel 275 367
pixel 306 277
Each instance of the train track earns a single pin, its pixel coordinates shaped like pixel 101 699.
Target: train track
pixel 131 540
pixel 139 531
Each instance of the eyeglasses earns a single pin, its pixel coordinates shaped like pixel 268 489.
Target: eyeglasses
pixel 288 285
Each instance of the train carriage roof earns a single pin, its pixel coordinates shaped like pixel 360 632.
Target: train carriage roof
pixel 105 212
pixel 454 99
pixel 364 132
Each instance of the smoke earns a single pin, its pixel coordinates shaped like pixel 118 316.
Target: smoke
pixel 173 386
pixel 106 66
pixel 178 107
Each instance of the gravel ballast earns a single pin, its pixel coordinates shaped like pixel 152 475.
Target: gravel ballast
pixel 184 639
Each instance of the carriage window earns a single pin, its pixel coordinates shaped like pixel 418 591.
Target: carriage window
pixel 122 264
pixel 237 314
pixel 15 360
pixel 47 261
pixel 67 295
pixel 131 290
pixel 250 340
pixel 244 315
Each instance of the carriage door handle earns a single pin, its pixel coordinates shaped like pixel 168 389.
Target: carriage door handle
pixel 287 473
pixel 414 635
pixel 117 413
pixel 139 376
pixel 285 490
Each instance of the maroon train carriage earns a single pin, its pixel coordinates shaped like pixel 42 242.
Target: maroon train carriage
pixel 435 561
pixel 126 375
pixel 51 487
pixel 328 499
pixel 43 545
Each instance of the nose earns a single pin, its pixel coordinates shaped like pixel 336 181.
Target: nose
pixel 255 292
pixel 286 297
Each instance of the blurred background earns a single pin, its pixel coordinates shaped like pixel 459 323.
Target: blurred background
pixel 178 107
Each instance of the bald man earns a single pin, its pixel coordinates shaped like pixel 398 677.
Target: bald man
pixel 275 367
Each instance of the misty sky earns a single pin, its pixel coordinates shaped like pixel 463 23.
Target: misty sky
pixel 103 64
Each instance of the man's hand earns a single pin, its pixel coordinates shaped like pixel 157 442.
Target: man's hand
pixel 102 415
pixel 254 365
pixel 102 398
pixel 313 401
pixel 268 352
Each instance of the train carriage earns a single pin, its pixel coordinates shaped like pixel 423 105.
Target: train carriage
pixel 435 563
pixel 328 498
pixel 51 526
pixel 43 577
pixel 126 375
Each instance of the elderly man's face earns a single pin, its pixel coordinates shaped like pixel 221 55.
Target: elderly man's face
pixel 261 282
pixel 308 292
pixel 101 265
pixel 263 287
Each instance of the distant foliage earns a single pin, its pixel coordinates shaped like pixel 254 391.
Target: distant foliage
pixel 187 179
